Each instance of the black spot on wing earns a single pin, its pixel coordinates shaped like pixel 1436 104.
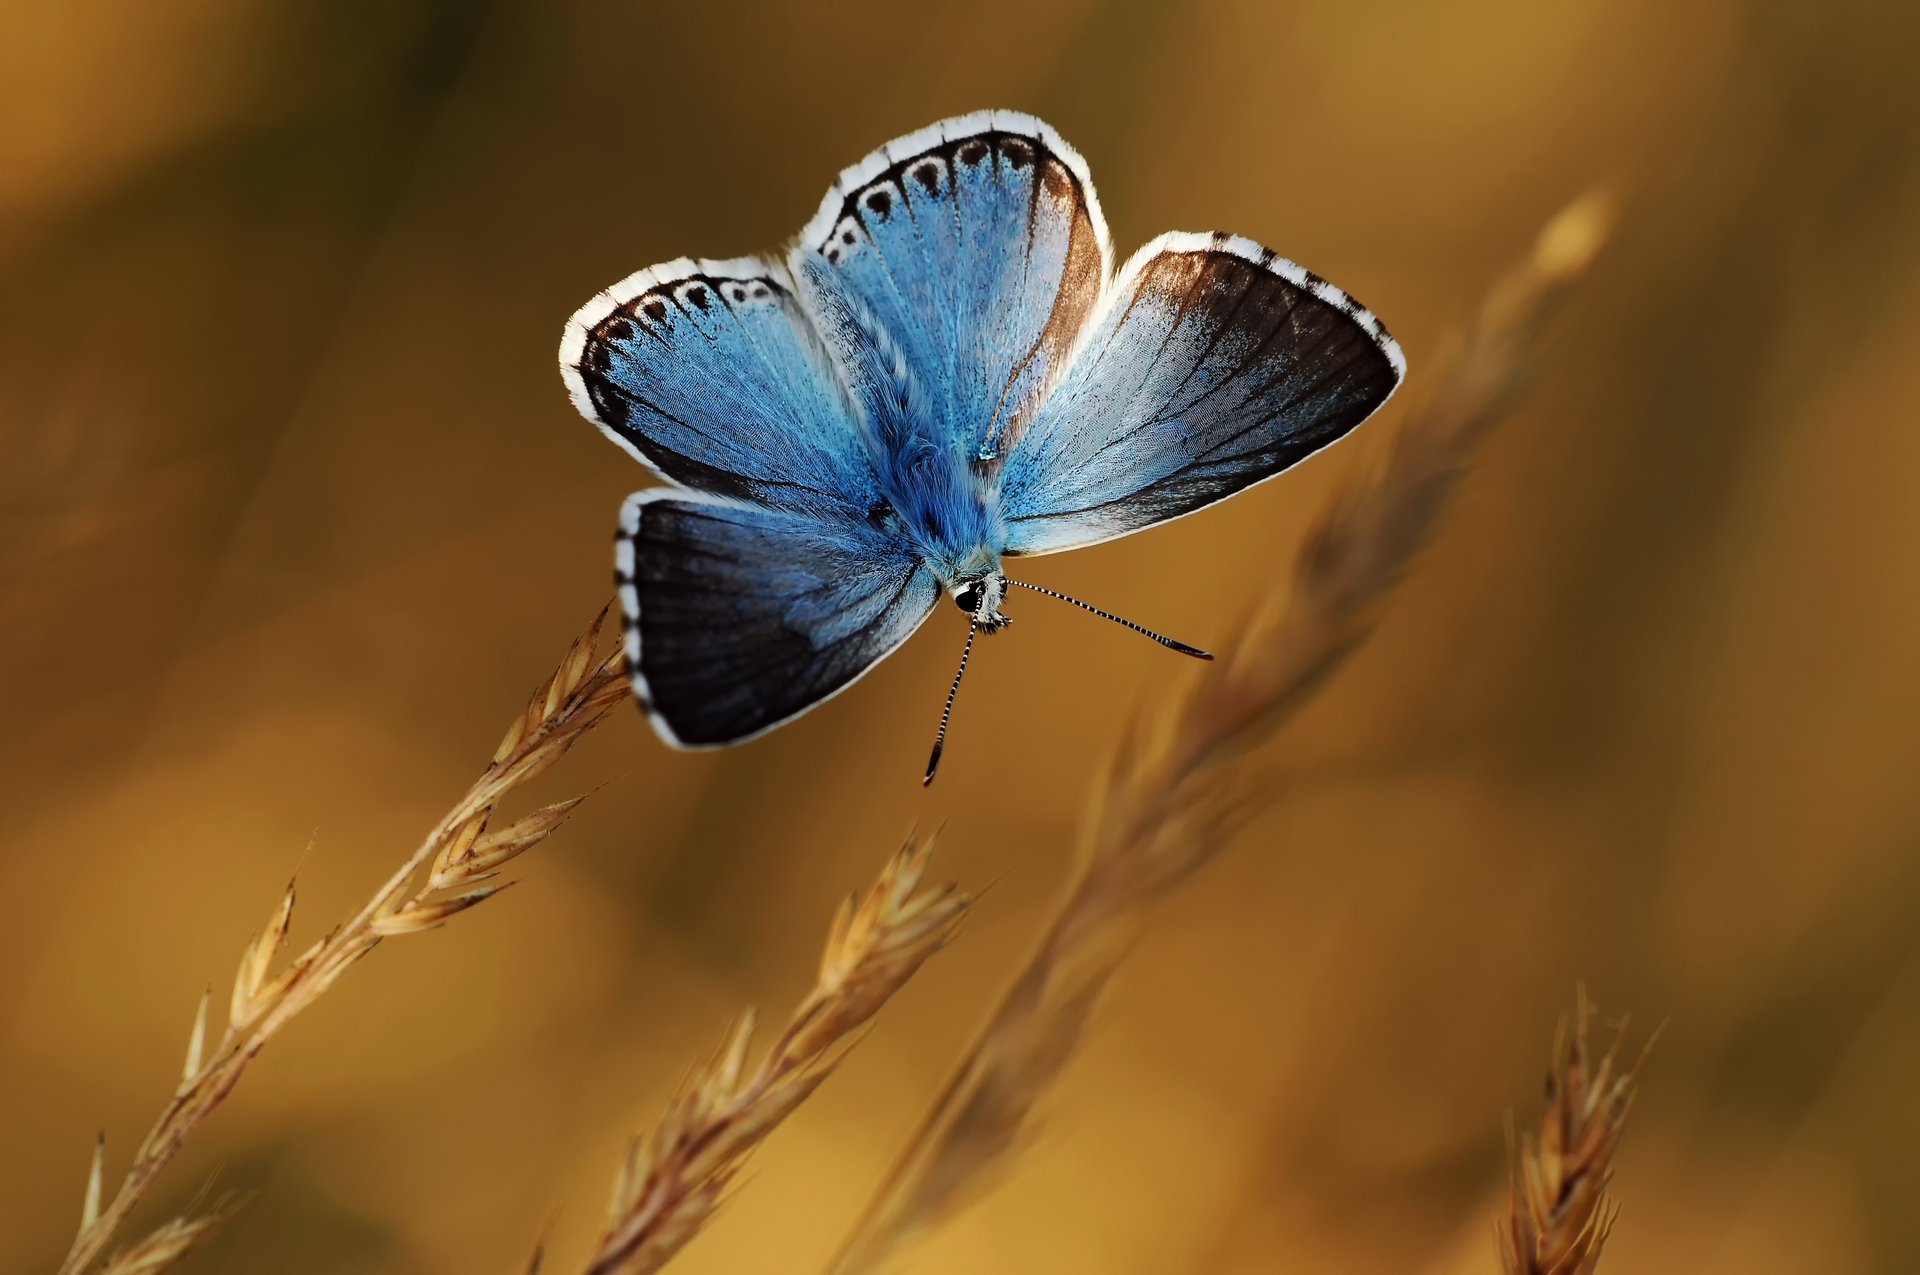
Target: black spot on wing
pixel 924 169
pixel 614 404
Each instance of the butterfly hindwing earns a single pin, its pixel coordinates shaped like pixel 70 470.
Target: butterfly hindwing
pixel 977 245
pixel 1211 365
pixel 713 373
pixel 740 617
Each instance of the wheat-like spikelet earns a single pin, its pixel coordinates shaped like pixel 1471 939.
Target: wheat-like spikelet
pixel 1559 1213
pixel 1173 796
pixel 171 1241
pixel 453 869
pixel 676 1176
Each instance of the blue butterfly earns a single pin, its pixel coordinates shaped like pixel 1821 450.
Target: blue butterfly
pixel 942 373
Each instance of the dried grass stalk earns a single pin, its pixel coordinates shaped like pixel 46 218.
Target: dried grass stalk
pixel 676 1176
pixel 450 871
pixel 1559 1213
pixel 1174 795
pixel 172 1241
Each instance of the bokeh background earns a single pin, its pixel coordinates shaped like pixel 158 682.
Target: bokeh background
pixel 296 512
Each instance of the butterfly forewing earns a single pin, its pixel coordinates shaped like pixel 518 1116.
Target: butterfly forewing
pixel 1212 365
pixel 713 373
pixel 978 247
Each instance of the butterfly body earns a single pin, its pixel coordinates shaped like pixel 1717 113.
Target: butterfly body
pixel 942 374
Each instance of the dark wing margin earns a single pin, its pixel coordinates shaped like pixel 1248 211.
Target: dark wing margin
pixel 1212 365
pixel 740 618
pixel 712 374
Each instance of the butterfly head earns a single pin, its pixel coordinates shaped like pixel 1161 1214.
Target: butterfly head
pixel 980 598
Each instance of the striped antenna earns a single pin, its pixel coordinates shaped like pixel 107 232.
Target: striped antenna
pixel 1167 642
pixel 946 714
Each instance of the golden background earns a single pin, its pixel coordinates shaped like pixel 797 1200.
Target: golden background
pixel 296 513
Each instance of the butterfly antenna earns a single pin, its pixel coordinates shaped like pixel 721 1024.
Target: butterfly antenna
pixel 1167 642
pixel 946 714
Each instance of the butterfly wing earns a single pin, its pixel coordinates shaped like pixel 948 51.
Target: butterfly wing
pixel 972 252
pixel 742 617
pixel 763 590
pixel 1211 365
pixel 712 373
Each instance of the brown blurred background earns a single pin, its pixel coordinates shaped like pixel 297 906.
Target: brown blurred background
pixel 295 512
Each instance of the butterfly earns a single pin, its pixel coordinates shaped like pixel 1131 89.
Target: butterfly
pixel 943 372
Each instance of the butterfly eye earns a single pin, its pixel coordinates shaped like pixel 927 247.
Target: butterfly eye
pixel 968 598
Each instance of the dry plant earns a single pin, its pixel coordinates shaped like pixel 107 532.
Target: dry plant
pixel 450 871
pixel 1558 1211
pixel 1175 794
pixel 676 1176
pixel 173 1240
